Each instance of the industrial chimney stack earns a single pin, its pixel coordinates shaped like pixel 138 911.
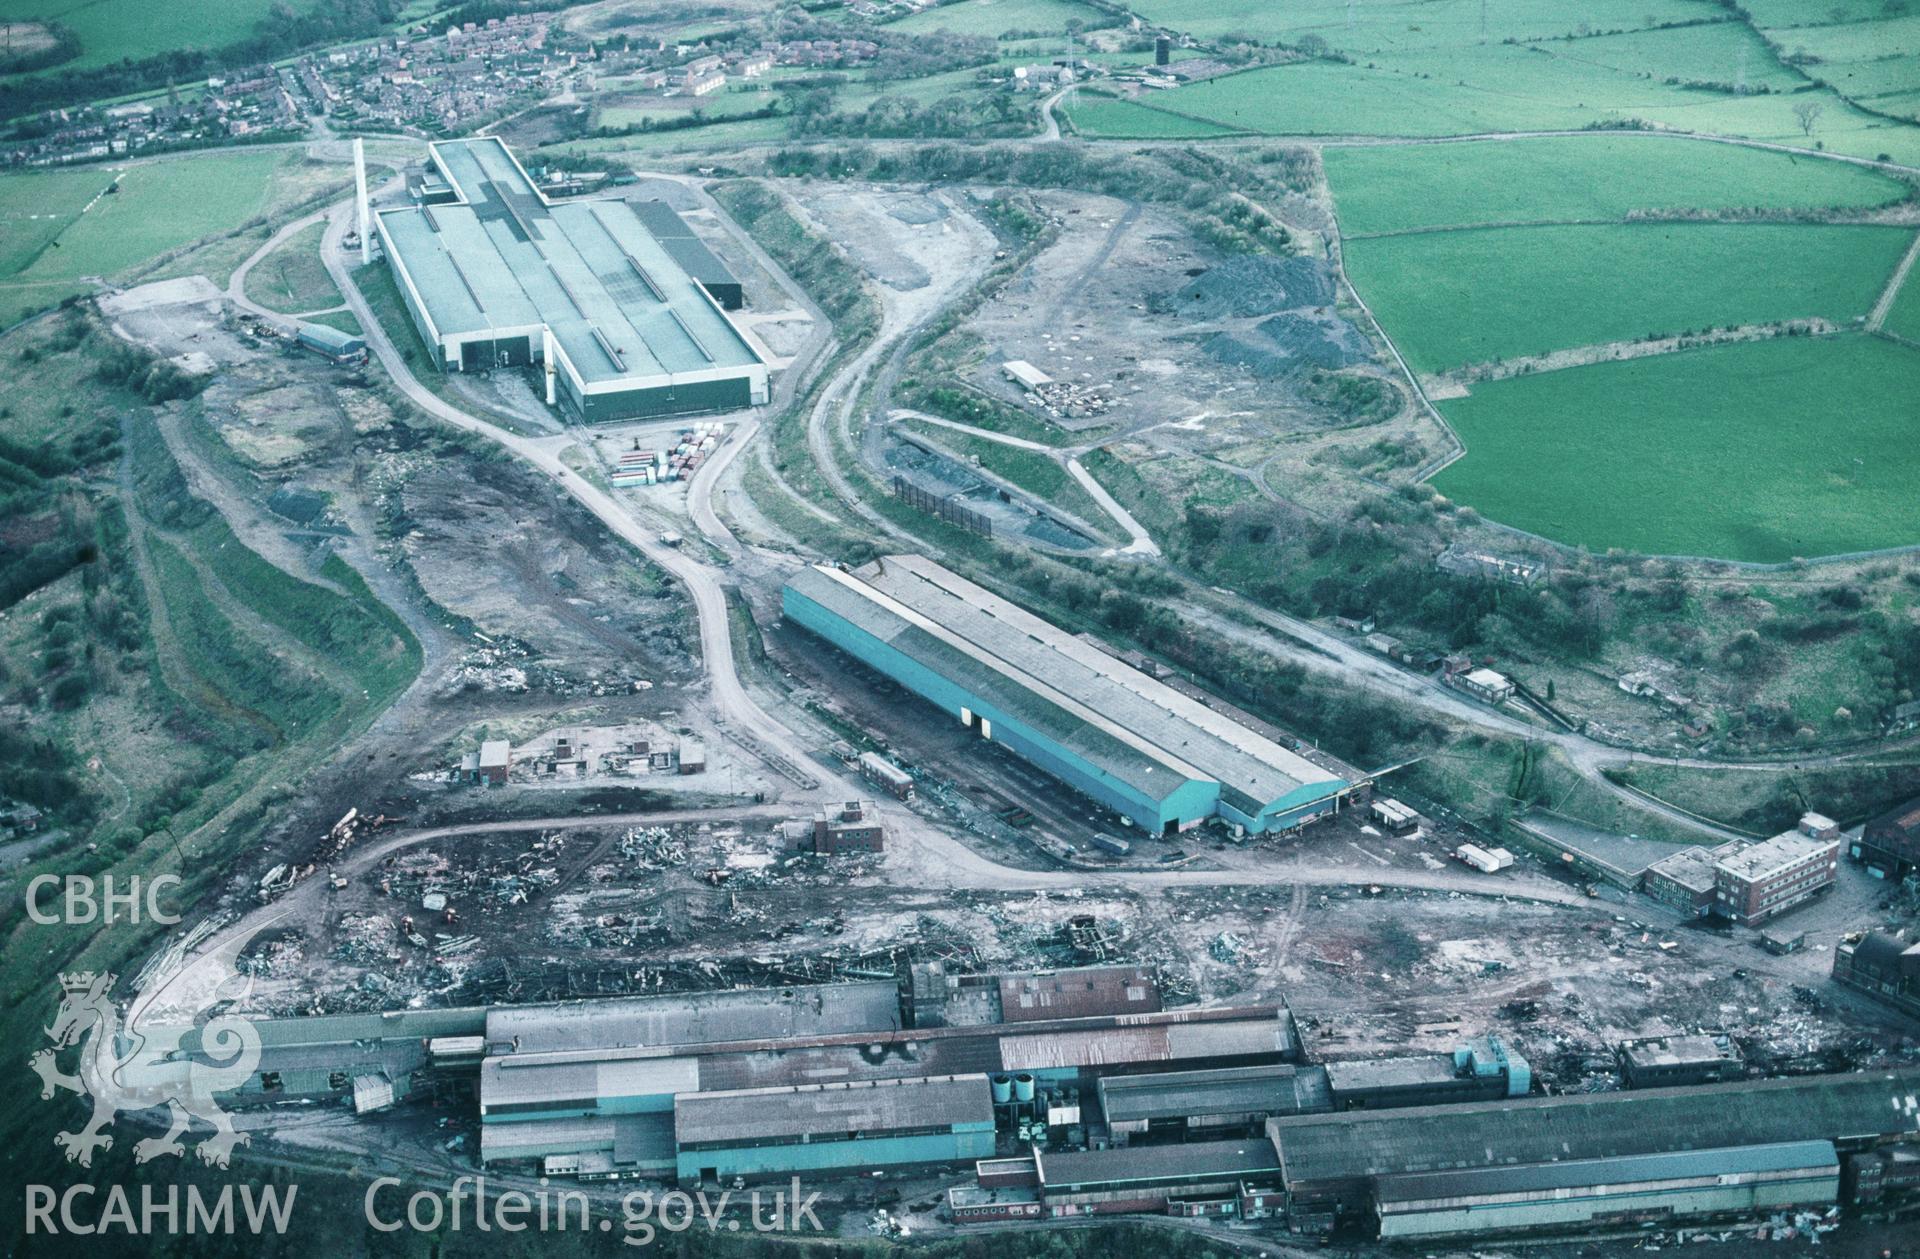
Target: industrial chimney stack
pixel 360 186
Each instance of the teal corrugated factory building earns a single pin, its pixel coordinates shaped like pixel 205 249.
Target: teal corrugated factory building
pixel 1151 753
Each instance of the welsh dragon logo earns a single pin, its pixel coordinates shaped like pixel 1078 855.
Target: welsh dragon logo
pixel 128 1069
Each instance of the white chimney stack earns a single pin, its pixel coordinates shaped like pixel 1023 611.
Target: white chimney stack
pixel 360 184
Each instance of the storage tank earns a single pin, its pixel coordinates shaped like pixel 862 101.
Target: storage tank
pixel 1002 1090
pixel 1023 1087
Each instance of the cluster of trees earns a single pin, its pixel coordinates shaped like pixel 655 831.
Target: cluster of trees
pixel 1355 396
pixel 146 375
pixel 650 123
pixel 34 770
pixel 61 45
pixel 1377 561
pixel 902 117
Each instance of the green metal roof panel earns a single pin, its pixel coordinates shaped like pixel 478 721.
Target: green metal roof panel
pixel 1273 1090
pixel 334 338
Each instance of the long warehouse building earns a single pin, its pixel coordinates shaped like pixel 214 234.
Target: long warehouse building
pixel 1157 756
pixel 501 276
pixel 1425 1164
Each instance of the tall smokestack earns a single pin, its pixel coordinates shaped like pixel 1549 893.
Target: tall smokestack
pixel 546 352
pixel 360 184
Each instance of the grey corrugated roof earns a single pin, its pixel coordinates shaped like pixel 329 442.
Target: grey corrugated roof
pixel 641 1141
pixel 872 1108
pixel 332 337
pixel 1146 1164
pixel 504 258
pixel 1391 1073
pixel 1360 1144
pixel 1137 728
pixel 1152 1042
pixel 698 1018
pixel 534 1079
pixel 1585 1173
pixel 338 1029
pixel 1272 1090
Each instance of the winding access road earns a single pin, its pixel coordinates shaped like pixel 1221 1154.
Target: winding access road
pixel 730 698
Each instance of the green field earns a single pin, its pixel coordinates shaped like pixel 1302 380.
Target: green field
pixel 994 18
pixel 1110 118
pixel 625 111
pixel 110 30
pixel 1768 14
pixel 1390 188
pixel 701 139
pixel 1904 319
pixel 1873 80
pixel 56 228
pixel 158 206
pixel 1724 52
pixel 1902 104
pixel 1473 296
pixel 1858 41
pixel 292 278
pixel 34 209
pixel 1375 25
pixel 1416 73
pixel 1758 451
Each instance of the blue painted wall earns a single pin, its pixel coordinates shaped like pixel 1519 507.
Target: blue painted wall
pixel 779 1160
pixel 1185 800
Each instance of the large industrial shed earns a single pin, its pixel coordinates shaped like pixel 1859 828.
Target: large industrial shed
pixel 502 276
pixel 1584 1193
pixel 594 1083
pixel 1158 757
pixel 834 1127
pixel 1339 1164
pixel 1177 1102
